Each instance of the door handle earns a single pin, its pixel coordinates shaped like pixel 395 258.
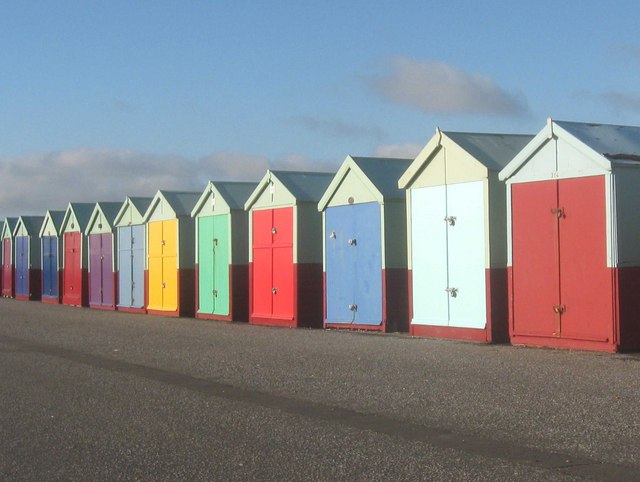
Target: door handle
pixel 164 285
pixel 559 212
pixel 559 309
pixel 452 291
pixel 451 220
pixel 274 290
pixel 352 242
pixel 274 230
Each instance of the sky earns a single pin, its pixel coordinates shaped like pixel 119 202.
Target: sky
pixel 104 99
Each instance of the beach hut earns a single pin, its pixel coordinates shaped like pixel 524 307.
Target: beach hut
pixel 28 259
pixel 51 249
pixel 8 267
pixel 100 233
pixel 132 251
pixel 285 249
pixel 74 254
pixel 222 253
pixel 171 253
pixel 574 250
pixel 457 235
pixel 365 248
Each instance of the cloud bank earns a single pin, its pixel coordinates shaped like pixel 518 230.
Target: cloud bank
pixel 32 184
pixel 437 87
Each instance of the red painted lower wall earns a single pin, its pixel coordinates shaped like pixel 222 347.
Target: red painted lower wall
pixel 238 292
pixel 83 299
pixel 186 295
pixel 307 299
pixel 35 285
pixel 624 321
pixel 497 315
pixel 8 288
pixel 112 306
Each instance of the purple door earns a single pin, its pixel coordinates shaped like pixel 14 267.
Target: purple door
pixel 101 273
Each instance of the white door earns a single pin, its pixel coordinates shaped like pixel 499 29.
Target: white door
pixel 467 295
pixel 429 256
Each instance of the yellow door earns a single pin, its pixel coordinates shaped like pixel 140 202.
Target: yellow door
pixel 155 265
pixel 170 265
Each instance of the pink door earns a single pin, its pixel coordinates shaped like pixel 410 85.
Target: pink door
pixel 7 268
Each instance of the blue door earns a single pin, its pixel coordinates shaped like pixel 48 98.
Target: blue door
pixel 131 259
pixel 50 266
pixel 22 265
pixel 354 264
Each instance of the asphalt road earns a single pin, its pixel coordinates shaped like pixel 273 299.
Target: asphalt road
pixel 92 395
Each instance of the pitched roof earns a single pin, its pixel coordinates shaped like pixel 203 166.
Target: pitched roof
pixel 380 173
pixel 110 211
pixel 9 225
pixel 31 224
pixel 493 150
pixel 182 202
pixel 56 219
pixel 140 204
pixel 303 186
pixel 604 144
pixel 234 193
pixel 82 212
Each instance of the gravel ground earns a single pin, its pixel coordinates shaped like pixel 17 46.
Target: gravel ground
pixel 93 395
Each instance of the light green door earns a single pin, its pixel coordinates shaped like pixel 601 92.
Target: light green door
pixel 205 265
pixel 221 264
pixel 213 264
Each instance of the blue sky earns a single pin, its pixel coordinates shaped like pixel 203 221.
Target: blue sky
pixel 103 99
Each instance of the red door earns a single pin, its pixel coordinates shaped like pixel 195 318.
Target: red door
pixel 7 270
pixel 562 286
pixel 72 274
pixel 586 283
pixel 536 269
pixel 272 284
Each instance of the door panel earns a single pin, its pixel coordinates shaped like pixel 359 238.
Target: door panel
pixel 170 238
pixel 586 284
pixel 155 239
pixel 137 265
pixel 50 266
pixel 536 269
pixel 205 265
pixel 429 258
pixel 282 227
pixel 170 283
pixel 466 241
pixel 262 282
pixel 95 270
pixel 107 269
pixel 341 267
pixel 155 283
pixel 282 270
pixel 7 280
pixel 72 269
pixel 125 270
pixel 221 264
pixel 22 265
pixel 367 262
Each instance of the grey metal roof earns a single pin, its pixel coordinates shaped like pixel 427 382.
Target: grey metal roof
pixel 110 210
pixel 612 141
pixel 182 202
pixel 235 193
pixel 57 217
pixel 141 203
pixel 493 150
pixel 83 213
pixel 32 224
pixel 305 186
pixel 384 174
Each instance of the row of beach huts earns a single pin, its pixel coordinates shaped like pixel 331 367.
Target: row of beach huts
pixel 487 237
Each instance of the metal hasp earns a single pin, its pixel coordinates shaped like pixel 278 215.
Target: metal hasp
pixel 451 220
pixel 352 242
pixel 452 291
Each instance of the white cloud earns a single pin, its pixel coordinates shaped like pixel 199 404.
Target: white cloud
pixel 407 151
pixel 438 87
pixel 32 184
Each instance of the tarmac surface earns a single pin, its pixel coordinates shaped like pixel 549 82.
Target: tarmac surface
pixel 94 395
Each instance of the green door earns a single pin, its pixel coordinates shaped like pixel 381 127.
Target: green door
pixel 213 265
pixel 221 264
